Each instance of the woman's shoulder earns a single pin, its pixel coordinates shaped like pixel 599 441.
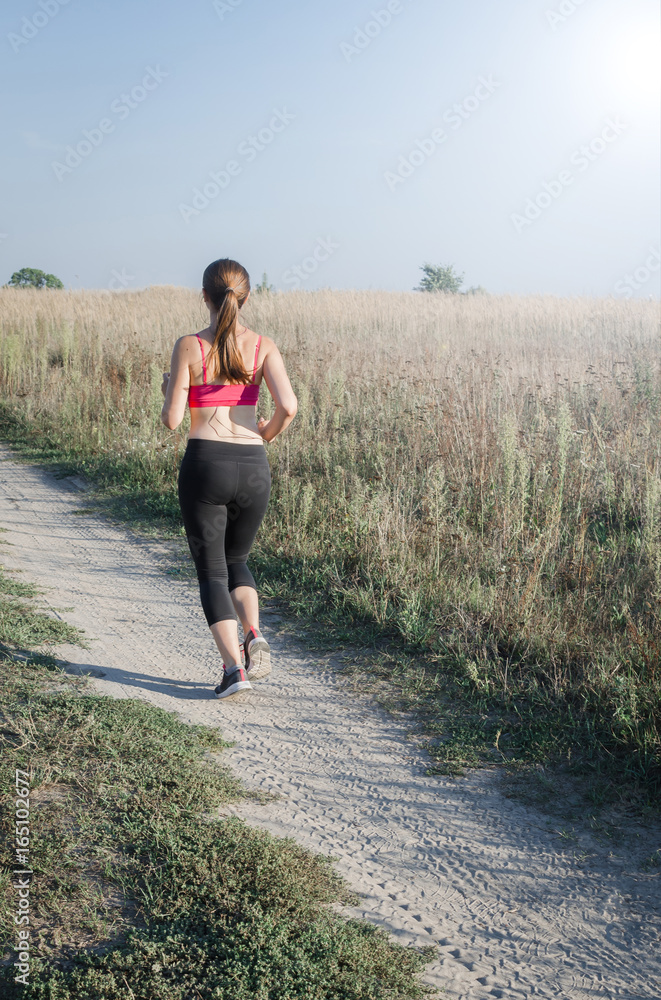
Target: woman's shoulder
pixel 265 341
pixel 190 339
pixel 189 342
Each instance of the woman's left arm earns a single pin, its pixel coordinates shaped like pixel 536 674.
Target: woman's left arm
pixel 175 385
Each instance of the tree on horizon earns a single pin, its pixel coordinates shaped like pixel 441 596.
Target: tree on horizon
pixel 440 278
pixel 32 277
pixel 264 285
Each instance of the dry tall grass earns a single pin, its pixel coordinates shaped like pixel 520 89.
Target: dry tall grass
pixel 480 475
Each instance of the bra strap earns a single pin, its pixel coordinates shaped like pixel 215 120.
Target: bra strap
pixel 204 365
pixel 259 341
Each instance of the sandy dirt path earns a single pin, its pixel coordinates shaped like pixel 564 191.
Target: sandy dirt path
pixel 512 909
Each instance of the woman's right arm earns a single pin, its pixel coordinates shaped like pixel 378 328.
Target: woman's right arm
pixel 175 385
pixel 278 384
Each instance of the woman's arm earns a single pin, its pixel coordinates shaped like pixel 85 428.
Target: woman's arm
pixel 279 386
pixel 175 385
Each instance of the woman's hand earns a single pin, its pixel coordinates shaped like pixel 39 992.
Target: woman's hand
pixel 262 425
pixel 166 379
pixel 282 394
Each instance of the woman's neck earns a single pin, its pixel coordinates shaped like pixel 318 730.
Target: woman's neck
pixel 213 323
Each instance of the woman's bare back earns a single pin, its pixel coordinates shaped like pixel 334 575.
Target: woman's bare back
pixel 226 423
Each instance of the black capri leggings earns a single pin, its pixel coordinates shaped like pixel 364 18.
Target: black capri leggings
pixel 223 492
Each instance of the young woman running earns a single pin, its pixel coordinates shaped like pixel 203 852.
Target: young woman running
pixel 225 480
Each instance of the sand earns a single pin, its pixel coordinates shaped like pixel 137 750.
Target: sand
pixel 513 908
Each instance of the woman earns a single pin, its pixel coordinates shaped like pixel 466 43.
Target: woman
pixel 224 480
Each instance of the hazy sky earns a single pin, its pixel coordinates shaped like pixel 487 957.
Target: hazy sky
pixel 350 142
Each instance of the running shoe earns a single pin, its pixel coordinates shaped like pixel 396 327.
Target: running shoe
pixel 257 653
pixel 233 682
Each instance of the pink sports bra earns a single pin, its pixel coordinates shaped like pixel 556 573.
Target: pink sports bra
pixel 227 394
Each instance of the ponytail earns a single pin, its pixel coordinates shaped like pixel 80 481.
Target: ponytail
pixel 227 285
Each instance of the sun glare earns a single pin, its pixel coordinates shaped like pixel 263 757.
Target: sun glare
pixel 636 65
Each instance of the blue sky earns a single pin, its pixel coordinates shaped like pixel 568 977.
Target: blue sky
pixel 403 131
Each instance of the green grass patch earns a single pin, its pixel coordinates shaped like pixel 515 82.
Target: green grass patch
pixel 24 624
pixel 11 587
pixel 141 889
pixel 479 699
pixel 128 487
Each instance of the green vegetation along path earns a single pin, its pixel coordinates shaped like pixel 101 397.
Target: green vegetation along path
pixel 513 909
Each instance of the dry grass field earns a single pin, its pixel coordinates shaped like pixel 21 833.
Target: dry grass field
pixel 472 486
